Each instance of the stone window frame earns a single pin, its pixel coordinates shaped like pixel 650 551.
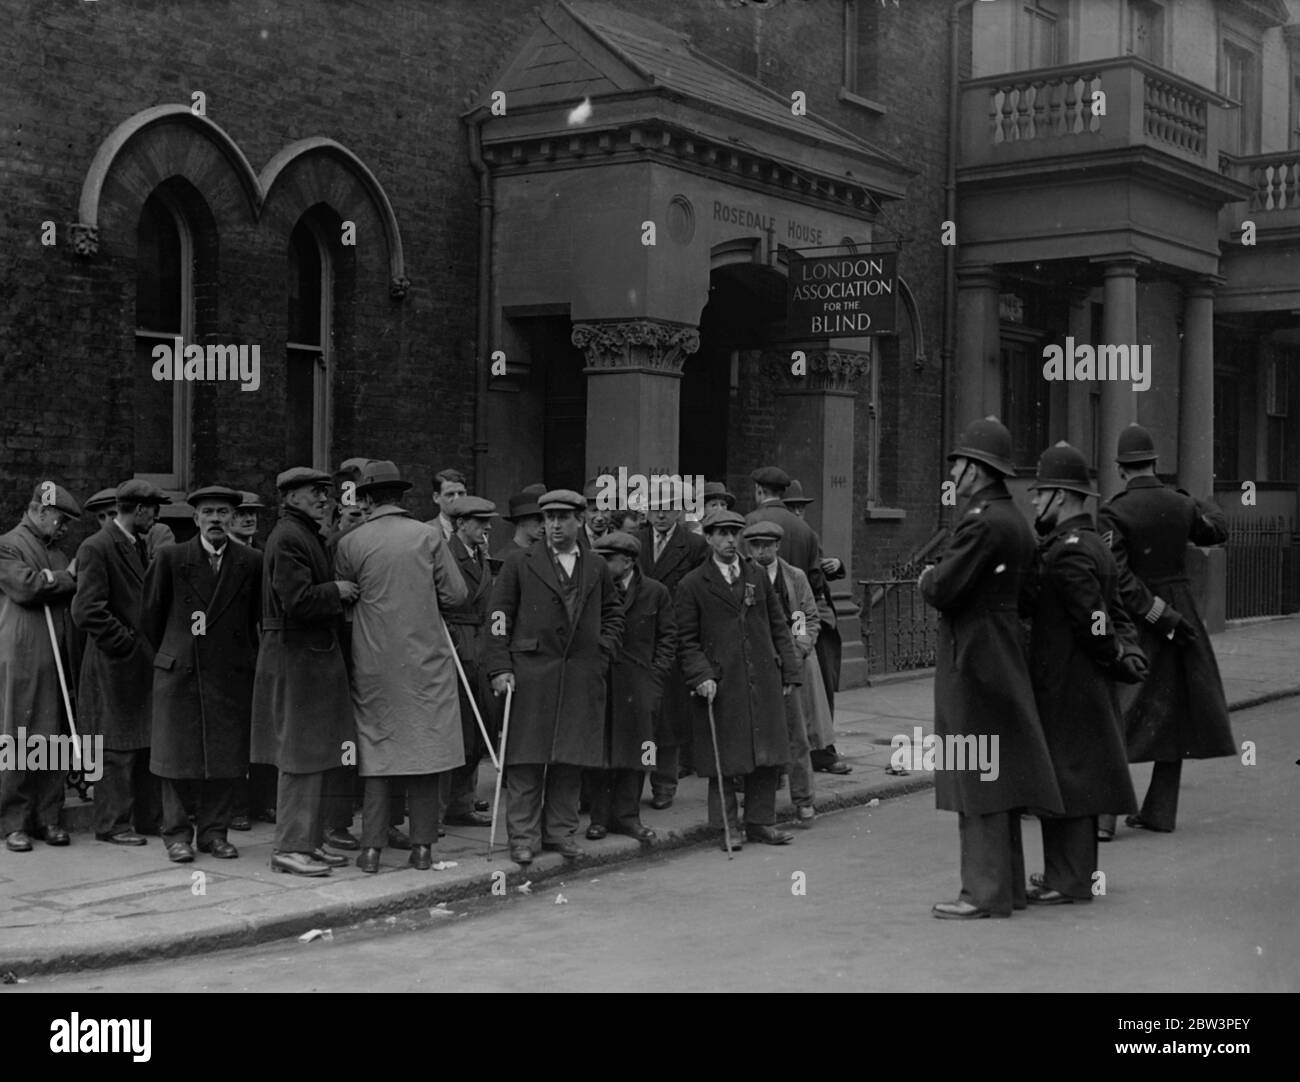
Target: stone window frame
pixel 1166 31
pixel 853 90
pixel 1236 33
pixel 323 371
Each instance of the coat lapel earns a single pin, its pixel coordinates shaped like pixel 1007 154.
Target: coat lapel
pixel 130 556
pixel 718 585
pixel 234 567
pixel 673 554
pixel 539 562
pixel 197 571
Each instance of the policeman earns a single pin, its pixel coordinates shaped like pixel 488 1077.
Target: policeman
pixel 1180 712
pixel 981 683
pixel 1083 642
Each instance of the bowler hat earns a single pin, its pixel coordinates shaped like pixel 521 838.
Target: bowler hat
pixel 618 541
pixel 987 441
pixel 471 507
pixel 138 490
pixel 61 500
pixel 1061 466
pixel 714 490
pixel 763 531
pixel 298 476
pixel 101 500
pixel 523 505
pixel 1135 445
pixel 562 499
pixel 215 492
pixel 380 472
pixel 794 494
pixel 771 477
pixel 715 519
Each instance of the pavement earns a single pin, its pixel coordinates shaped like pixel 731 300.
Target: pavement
pixel 93 905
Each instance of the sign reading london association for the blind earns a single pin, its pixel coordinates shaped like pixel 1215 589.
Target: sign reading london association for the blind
pixel 841 296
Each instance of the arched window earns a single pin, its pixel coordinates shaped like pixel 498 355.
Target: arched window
pixel 164 311
pixel 308 381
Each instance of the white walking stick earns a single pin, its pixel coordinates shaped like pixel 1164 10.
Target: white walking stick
pixel 63 686
pixel 722 789
pixel 487 740
pixel 501 765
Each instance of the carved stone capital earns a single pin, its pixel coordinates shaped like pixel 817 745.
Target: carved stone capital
pixel 85 239
pixel 636 343
pixel 399 287
pixel 824 369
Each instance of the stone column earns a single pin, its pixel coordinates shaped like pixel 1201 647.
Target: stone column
pixel 978 345
pixel 1118 404
pixel 1078 415
pixel 815 444
pixel 1196 392
pixel 634 372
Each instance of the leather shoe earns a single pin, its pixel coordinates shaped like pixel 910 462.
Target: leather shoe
pixel 240 822
pixel 397 840
pixel 298 864
pixel 768 835
pixel 180 853
pixel 521 854
pixel 640 832
pixel 53 836
pixel 368 860
pixel 1104 835
pixel 334 860
pixel 1037 879
pixel 595 832
pixel 569 849
pixel 483 805
pixel 806 813
pixel 1046 896
pixel 660 801
pixel 959 911
pixel 341 839
pixel 219 848
pixel 18 842
pixel 469 819
pixel 1138 823
pixel 126 837
pixel 421 858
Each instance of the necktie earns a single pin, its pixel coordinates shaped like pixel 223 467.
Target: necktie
pixel 143 550
pixel 661 540
pixel 215 560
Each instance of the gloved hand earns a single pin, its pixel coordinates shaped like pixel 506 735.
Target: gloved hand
pixel 1131 666
pixel 1173 625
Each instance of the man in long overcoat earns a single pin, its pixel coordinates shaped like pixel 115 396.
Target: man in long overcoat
pixel 34 576
pixel 1180 711
pixel 404 683
pixel 200 608
pixel 302 705
pixel 800 544
pixel 982 688
pixel 467 625
pixel 737 654
pixel 637 680
pixel 554 625
pixel 1083 642
pixel 116 696
pixel 669 552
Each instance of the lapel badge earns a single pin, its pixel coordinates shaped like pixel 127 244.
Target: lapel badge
pixel 749 593
pixel 1073 539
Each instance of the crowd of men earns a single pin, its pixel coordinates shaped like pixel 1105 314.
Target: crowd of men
pixel 1117 669
pixel 363 657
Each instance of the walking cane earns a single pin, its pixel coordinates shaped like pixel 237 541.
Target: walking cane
pixel 63 686
pixel 501 769
pixel 722 790
pixel 487 740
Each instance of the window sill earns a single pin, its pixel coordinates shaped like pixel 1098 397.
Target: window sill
pixel 864 103
pixel 885 514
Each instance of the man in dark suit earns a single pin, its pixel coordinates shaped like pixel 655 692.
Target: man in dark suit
pixel 800 545
pixel 467 623
pixel 1180 711
pixel 200 609
pixel 554 624
pixel 669 552
pixel 115 700
pixel 526 518
pixel 730 631
pixel 302 702
pixel 982 688
pixel 35 578
pixel 637 679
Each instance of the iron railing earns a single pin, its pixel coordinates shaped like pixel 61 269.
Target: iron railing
pixel 1263 567
pixel 899 630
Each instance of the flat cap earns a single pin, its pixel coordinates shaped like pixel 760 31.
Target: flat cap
pixel 722 518
pixel 717 490
pixel 105 497
pixel 379 472
pixel 522 505
pixel 351 469
pixel 471 507
pixel 141 491
pixel 297 476
pixel 562 499
pixel 249 501
pixel 794 494
pixel 535 490
pixel 771 477
pixel 618 541
pixel 49 494
pixel 231 496
pixel 763 531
